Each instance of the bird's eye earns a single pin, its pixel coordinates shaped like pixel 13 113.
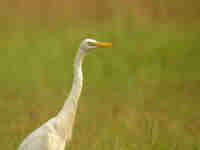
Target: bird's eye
pixel 91 44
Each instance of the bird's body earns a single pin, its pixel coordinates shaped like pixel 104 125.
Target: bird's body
pixel 44 138
pixel 54 134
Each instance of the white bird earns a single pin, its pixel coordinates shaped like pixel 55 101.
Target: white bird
pixel 56 132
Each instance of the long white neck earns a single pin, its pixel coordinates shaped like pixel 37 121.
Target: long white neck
pixel 78 78
pixel 66 116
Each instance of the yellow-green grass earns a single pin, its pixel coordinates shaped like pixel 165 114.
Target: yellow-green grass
pixel 141 94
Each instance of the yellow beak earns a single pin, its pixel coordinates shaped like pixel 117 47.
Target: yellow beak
pixel 103 44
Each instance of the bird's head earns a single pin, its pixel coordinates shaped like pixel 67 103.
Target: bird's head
pixel 88 44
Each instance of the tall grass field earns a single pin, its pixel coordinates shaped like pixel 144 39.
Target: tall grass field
pixel 142 94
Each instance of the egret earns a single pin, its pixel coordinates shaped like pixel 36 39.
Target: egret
pixel 57 131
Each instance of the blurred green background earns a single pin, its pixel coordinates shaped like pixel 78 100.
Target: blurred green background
pixel 142 94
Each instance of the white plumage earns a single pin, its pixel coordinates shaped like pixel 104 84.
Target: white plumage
pixel 54 134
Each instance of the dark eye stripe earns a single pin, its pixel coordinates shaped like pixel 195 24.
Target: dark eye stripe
pixel 91 44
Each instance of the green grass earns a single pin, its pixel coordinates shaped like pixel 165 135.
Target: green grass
pixel 142 94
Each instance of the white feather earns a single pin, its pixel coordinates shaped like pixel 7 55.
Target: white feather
pixel 54 134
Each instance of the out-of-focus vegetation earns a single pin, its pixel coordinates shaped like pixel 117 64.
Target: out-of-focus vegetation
pixel 141 94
